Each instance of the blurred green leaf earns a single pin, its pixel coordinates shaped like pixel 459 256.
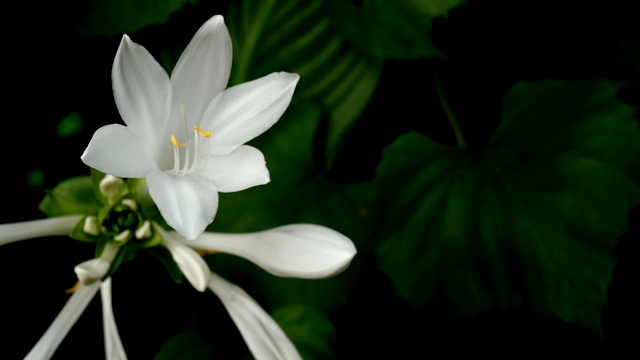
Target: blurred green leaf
pixel 70 124
pixel 72 196
pixel 309 329
pixel 187 345
pixel 112 17
pixel 34 178
pixel 532 220
pixel 391 29
pixel 298 36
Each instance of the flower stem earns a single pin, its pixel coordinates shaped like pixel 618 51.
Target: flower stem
pixel 448 112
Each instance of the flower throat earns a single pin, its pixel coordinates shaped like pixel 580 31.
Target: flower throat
pixel 200 149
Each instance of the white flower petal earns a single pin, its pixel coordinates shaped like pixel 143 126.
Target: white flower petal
pixel 68 316
pixel 55 226
pixel 263 336
pixel 192 265
pixel 202 71
pixel 188 203
pixel 112 344
pixel 114 150
pixel 297 250
pixel 241 169
pixel 244 111
pixel 91 271
pixel 142 91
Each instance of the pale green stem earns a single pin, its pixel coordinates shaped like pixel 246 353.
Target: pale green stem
pixel 448 112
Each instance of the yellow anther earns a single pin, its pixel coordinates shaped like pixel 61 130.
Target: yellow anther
pixel 202 132
pixel 175 141
pixel 73 289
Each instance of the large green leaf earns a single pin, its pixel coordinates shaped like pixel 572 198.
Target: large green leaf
pixel 111 17
pixel 391 29
pixel 531 220
pixel 298 36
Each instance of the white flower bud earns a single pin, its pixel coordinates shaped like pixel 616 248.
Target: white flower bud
pixel 111 187
pixel 144 231
pixel 123 236
pixel 91 226
pixel 130 203
pixel 92 270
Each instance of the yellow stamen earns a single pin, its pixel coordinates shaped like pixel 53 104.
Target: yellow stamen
pixel 175 141
pixel 202 132
pixel 73 289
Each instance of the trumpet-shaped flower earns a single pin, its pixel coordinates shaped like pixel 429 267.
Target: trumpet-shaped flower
pixel 186 133
pixel 90 274
pixel 297 250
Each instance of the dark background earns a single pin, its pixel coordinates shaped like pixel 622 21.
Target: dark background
pixel 51 71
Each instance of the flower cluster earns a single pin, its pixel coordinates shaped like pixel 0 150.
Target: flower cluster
pixel 184 141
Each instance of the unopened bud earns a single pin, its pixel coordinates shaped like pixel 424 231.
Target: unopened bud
pixel 91 271
pixel 130 203
pixel 111 187
pixel 144 231
pixel 91 226
pixel 123 236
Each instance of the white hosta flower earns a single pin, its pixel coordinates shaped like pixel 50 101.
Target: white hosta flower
pixel 75 306
pixel 89 275
pixel 298 250
pixel 55 226
pixel 186 133
pixel 93 270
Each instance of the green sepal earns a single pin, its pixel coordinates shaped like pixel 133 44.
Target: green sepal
pixel 97 176
pixel 71 196
pixel 78 233
pixel 164 256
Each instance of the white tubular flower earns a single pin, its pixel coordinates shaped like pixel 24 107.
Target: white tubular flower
pixel 297 250
pixel 186 133
pixel 263 335
pixel 56 226
pixel 75 306
pixel 192 265
pixel 93 270
pixel 112 344
pixel 89 273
